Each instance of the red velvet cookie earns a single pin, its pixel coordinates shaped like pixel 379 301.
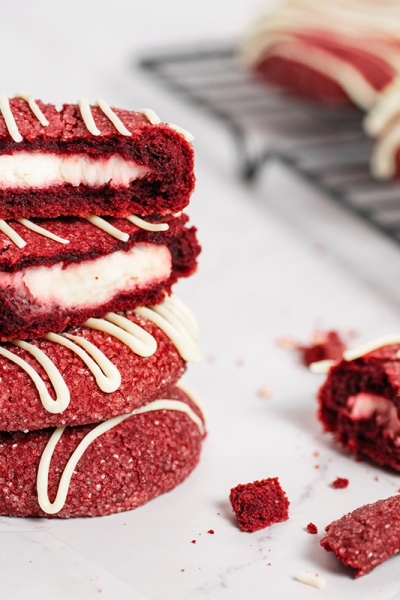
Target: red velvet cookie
pixel 360 402
pixel 103 368
pixel 333 53
pixel 366 537
pixel 48 285
pixel 85 160
pixel 70 472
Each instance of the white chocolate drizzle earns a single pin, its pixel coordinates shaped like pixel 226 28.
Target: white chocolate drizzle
pixel 8 117
pixel 52 508
pixel 379 342
pixel 60 387
pixel 151 116
pixel 34 108
pixel 189 137
pixel 106 374
pixel 12 234
pixel 93 219
pixel 146 225
pixel 154 119
pixel 391 339
pixel 42 231
pixel 179 325
pixel 322 366
pixel 86 114
pixel 108 228
pixel 110 114
pixel 135 337
pixel 182 332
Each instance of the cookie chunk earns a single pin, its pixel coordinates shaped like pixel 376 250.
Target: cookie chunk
pixel 259 504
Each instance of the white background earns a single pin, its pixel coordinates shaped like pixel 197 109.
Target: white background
pixel 277 259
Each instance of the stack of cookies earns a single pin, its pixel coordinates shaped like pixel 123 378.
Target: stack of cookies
pixel 93 419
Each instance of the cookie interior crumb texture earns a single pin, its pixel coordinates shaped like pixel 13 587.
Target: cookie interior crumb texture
pixel 259 504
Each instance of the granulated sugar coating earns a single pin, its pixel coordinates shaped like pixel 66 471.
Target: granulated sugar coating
pixel 144 456
pixel 259 504
pixel 142 380
pixel 367 536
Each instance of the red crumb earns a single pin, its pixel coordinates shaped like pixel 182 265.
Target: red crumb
pixel 316 466
pixel 239 362
pixel 259 504
pixel 325 345
pixel 367 536
pixel 312 528
pixel 211 531
pixel 193 541
pixel 340 483
pixel 316 453
pixel 376 478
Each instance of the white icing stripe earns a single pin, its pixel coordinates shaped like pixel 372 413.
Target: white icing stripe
pixel 93 219
pixel 52 508
pixel 386 108
pixel 41 231
pixel 87 117
pixel 108 228
pixel 9 118
pixel 106 374
pixel 147 226
pixel 385 340
pixel 182 385
pixel 189 137
pixel 130 334
pixel 110 114
pixel 322 366
pixel 353 82
pixel 182 312
pixel 151 116
pixel 384 154
pixel 61 390
pixel 12 234
pixel 34 108
pixel 174 328
pixel 311 579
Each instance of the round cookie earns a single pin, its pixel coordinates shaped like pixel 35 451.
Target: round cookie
pixel 103 368
pixel 102 469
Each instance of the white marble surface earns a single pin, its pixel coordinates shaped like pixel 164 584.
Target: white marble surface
pixel 262 274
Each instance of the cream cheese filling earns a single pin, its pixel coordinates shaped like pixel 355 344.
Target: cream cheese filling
pixel 41 170
pixel 366 405
pixel 90 282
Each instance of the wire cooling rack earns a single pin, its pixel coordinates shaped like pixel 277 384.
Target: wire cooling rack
pixel 325 146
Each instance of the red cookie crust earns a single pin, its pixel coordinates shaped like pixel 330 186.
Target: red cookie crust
pixel 259 504
pixel 166 152
pixel 142 379
pixel 376 373
pixel 22 318
pixel 366 537
pixel 144 456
